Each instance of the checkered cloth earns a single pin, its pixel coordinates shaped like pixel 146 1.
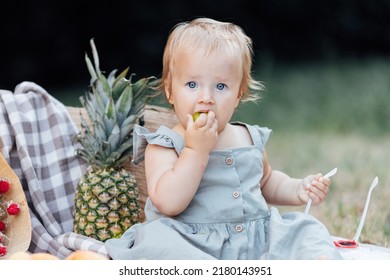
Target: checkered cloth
pixel 36 139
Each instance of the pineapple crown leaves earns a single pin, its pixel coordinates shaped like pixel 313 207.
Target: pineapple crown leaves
pixel 114 105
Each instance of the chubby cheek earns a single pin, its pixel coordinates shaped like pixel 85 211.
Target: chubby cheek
pixel 182 116
pixel 222 121
pixel 221 124
pixel 224 118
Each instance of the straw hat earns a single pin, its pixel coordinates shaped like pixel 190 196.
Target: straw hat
pixel 18 232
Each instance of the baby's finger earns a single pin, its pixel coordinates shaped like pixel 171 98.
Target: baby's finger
pixel 325 181
pixel 190 120
pixel 318 190
pixel 215 125
pixel 317 177
pixel 210 119
pixel 201 121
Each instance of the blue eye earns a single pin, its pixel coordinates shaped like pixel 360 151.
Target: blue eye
pixel 191 84
pixel 221 86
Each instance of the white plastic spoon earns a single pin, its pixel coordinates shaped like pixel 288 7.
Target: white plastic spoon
pixel 327 175
pixel 354 242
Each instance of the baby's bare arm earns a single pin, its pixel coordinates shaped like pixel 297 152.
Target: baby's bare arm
pixel 173 181
pixel 280 189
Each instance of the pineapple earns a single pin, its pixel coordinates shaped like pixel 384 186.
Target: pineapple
pixel 106 198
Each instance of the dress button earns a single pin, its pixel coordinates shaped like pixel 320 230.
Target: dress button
pixel 229 160
pixel 239 228
pixel 236 194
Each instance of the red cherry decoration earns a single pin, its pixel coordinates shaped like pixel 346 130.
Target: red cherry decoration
pixel 4 186
pixel 3 250
pixel 13 209
pixel 3 226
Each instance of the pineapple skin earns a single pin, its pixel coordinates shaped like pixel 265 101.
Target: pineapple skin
pixel 106 197
pixel 106 204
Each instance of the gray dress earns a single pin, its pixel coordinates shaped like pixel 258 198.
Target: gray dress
pixel 228 217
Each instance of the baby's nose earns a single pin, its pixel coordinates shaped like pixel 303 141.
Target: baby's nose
pixel 206 96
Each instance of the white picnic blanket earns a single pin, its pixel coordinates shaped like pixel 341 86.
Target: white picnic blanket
pixel 36 134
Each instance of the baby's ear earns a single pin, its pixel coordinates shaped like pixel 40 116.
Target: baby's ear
pixel 167 89
pixel 239 99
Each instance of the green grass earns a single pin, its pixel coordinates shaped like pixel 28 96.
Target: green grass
pixel 358 160
pixel 332 115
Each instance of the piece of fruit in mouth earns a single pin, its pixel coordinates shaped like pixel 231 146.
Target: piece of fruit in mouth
pixel 196 115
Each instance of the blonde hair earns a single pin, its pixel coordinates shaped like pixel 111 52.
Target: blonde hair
pixel 209 36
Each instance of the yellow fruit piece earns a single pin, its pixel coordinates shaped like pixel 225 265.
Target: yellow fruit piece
pixel 35 256
pixel 21 256
pixel 43 256
pixel 196 115
pixel 86 255
pixel 76 255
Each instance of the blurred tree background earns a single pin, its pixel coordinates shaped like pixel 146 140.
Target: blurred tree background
pixel 304 50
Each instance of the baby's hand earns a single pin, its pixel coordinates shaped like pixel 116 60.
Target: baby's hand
pixel 202 134
pixel 315 187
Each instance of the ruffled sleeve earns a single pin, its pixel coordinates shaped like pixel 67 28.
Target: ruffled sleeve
pixel 164 137
pixel 262 135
